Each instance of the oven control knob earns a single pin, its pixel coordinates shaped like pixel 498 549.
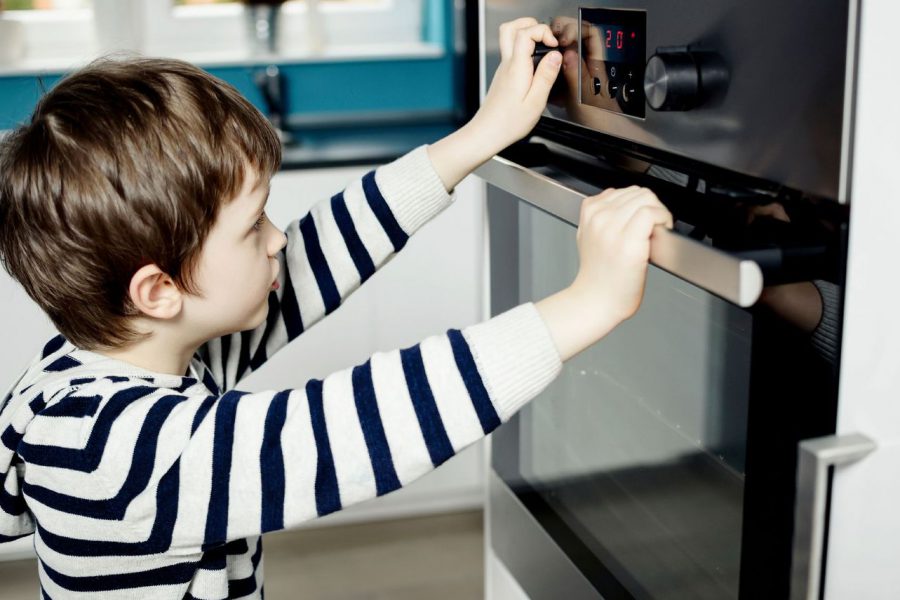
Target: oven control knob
pixel 683 79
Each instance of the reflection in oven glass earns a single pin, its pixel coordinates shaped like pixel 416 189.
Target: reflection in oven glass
pixel 640 444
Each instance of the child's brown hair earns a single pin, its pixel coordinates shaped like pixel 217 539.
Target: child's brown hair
pixel 124 163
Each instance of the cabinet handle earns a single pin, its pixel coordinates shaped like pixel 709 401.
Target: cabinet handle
pixel 814 458
pixel 737 280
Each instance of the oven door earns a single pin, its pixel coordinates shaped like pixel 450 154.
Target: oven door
pixel 662 462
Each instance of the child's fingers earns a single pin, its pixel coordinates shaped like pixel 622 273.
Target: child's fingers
pixel 631 203
pixel 526 38
pixel 605 201
pixel 507 34
pixel 544 77
pixel 639 228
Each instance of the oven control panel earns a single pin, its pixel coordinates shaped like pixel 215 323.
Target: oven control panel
pixel 613 46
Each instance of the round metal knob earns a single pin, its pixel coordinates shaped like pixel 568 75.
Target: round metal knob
pixel 672 81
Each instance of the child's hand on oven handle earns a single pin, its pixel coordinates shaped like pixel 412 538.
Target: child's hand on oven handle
pixel 512 107
pixel 614 235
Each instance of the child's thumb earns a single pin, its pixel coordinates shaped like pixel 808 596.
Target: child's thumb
pixel 544 78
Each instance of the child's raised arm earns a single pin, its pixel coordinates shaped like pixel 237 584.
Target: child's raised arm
pixel 512 107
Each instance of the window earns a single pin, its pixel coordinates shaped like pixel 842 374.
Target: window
pixel 69 32
pixel 214 26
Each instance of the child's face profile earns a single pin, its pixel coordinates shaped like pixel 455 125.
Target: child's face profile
pixel 237 266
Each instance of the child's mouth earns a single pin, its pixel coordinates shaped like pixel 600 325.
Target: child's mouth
pixel 275 285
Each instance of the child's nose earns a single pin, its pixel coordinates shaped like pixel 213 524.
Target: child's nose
pixel 279 241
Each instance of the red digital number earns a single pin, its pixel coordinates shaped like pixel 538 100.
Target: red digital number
pixel 620 35
pixel 608 38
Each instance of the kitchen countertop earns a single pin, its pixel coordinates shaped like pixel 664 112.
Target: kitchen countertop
pixel 317 147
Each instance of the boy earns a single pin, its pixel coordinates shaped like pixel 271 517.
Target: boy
pixel 132 211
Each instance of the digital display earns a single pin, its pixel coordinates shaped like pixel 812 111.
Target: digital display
pixel 618 43
pixel 613 46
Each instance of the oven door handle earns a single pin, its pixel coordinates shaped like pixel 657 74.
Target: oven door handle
pixel 814 459
pixel 737 280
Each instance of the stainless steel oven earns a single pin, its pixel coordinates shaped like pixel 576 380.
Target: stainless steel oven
pixel 663 463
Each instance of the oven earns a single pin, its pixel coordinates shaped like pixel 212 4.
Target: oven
pixel 689 454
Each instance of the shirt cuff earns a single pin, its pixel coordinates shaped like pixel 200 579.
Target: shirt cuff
pixel 413 189
pixel 516 357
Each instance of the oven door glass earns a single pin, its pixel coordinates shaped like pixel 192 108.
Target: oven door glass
pixel 637 451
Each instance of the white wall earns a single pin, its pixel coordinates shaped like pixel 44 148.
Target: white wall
pixel 436 283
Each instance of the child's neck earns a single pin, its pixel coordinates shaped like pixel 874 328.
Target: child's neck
pixel 157 353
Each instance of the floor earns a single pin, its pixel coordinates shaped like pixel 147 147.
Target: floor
pixel 435 558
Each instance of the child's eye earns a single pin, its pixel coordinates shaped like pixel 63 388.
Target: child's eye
pixel 259 221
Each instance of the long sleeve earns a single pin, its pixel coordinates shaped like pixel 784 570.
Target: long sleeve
pixel 201 471
pixel 331 251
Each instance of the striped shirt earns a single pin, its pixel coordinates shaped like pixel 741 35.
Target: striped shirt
pixel 138 484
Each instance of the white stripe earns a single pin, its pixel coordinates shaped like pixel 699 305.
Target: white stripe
pixel 312 307
pixel 195 484
pixel 370 231
pixel 210 584
pixel 244 485
pixel 300 455
pixel 81 566
pixel 401 427
pixel 340 263
pixel 112 470
pixel 348 445
pixel 450 393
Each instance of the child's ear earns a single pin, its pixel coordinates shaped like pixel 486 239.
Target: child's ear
pixel 154 293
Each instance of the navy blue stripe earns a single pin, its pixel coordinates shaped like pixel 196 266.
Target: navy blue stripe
pixel 320 269
pixel 179 573
pixel 223 443
pixel 237 547
pixel 243 355
pixel 271 464
pixel 259 357
pixel 214 559
pixel 12 538
pixel 86 459
pixel 186 382
pixel 202 411
pixel 209 381
pixel 45 595
pixel 481 400
pixel 386 479
pixel 13 505
pixel 290 309
pixel 160 538
pixel 364 265
pixel 73 406
pixel 37 404
pixel 225 345
pixel 81 380
pixel 10 438
pixel 383 212
pixel 328 497
pixel 52 346
pixel 143 459
pixel 439 446
pixel 238 588
pixel 62 363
